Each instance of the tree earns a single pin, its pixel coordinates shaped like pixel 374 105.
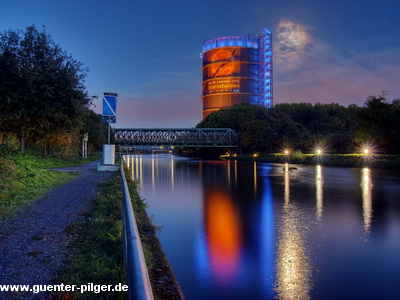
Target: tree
pixel 42 89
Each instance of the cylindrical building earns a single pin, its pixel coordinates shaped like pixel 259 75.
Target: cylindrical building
pixel 237 69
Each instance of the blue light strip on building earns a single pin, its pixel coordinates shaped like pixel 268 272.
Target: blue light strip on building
pixel 267 64
pixel 263 43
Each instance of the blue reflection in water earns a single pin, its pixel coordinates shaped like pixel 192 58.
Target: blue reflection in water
pixel 267 255
pixel 202 256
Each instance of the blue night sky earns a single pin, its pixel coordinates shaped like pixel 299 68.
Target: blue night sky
pixel 147 51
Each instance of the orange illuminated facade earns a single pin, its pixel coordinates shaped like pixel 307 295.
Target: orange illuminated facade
pixel 237 70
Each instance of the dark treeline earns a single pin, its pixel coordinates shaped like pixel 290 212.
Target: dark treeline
pixel 43 100
pixel 304 126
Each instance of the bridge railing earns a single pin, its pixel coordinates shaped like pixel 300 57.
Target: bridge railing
pixel 180 137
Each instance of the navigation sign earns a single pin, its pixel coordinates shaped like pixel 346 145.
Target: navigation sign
pixel 109 110
pixel 110 104
pixel 108 119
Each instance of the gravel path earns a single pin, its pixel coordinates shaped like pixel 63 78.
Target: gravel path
pixel 33 243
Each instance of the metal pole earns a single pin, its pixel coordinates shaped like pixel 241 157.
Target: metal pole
pixel 109 129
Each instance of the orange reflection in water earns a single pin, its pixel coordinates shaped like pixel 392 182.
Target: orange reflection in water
pixel 223 231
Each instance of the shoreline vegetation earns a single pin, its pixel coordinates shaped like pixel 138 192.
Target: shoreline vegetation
pixel 379 161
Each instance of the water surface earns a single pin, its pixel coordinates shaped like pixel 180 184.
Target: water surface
pixel 247 230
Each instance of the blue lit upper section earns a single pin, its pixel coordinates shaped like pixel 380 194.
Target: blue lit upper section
pixel 263 43
pixel 232 41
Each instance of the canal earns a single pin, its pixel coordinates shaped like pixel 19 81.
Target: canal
pixel 249 230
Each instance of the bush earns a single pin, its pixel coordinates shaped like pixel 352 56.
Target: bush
pixel 298 155
pixel 8 170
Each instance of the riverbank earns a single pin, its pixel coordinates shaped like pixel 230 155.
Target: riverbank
pixel 97 251
pixel 162 278
pixel 379 161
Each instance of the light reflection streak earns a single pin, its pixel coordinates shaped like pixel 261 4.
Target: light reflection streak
pixel 133 168
pixel 141 169
pixel 319 192
pixel 287 185
pixel 153 180
pixel 172 173
pixel 229 172
pixel 255 176
pixel 366 186
pixel 293 267
pixel 136 168
pixel 236 173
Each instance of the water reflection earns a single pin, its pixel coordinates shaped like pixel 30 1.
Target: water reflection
pixel 267 231
pixel 287 185
pixel 293 264
pixel 224 235
pixel 150 171
pixel 244 230
pixel 319 192
pixel 255 176
pixel 172 173
pixel 366 186
pixel 293 267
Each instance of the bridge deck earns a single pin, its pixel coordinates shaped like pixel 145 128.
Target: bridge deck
pixel 179 137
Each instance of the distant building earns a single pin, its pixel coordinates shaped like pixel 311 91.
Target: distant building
pixel 237 69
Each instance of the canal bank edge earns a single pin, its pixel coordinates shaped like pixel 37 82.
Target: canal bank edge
pixel 379 161
pixel 162 277
pixel 97 251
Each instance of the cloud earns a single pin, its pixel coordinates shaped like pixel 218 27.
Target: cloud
pixel 292 37
pixel 308 69
pixel 293 40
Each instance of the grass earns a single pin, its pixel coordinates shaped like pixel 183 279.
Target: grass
pixel 97 250
pixel 26 177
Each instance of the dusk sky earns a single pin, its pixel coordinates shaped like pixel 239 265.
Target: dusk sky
pixel 149 51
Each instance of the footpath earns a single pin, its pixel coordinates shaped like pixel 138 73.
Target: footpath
pixel 33 243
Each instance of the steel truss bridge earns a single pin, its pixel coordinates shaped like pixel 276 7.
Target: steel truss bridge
pixel 192 137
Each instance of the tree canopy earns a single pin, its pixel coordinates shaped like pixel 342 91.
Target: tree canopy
pixel 42 88
pixel 303 126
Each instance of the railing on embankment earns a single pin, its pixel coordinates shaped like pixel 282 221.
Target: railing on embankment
pixel 137 277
